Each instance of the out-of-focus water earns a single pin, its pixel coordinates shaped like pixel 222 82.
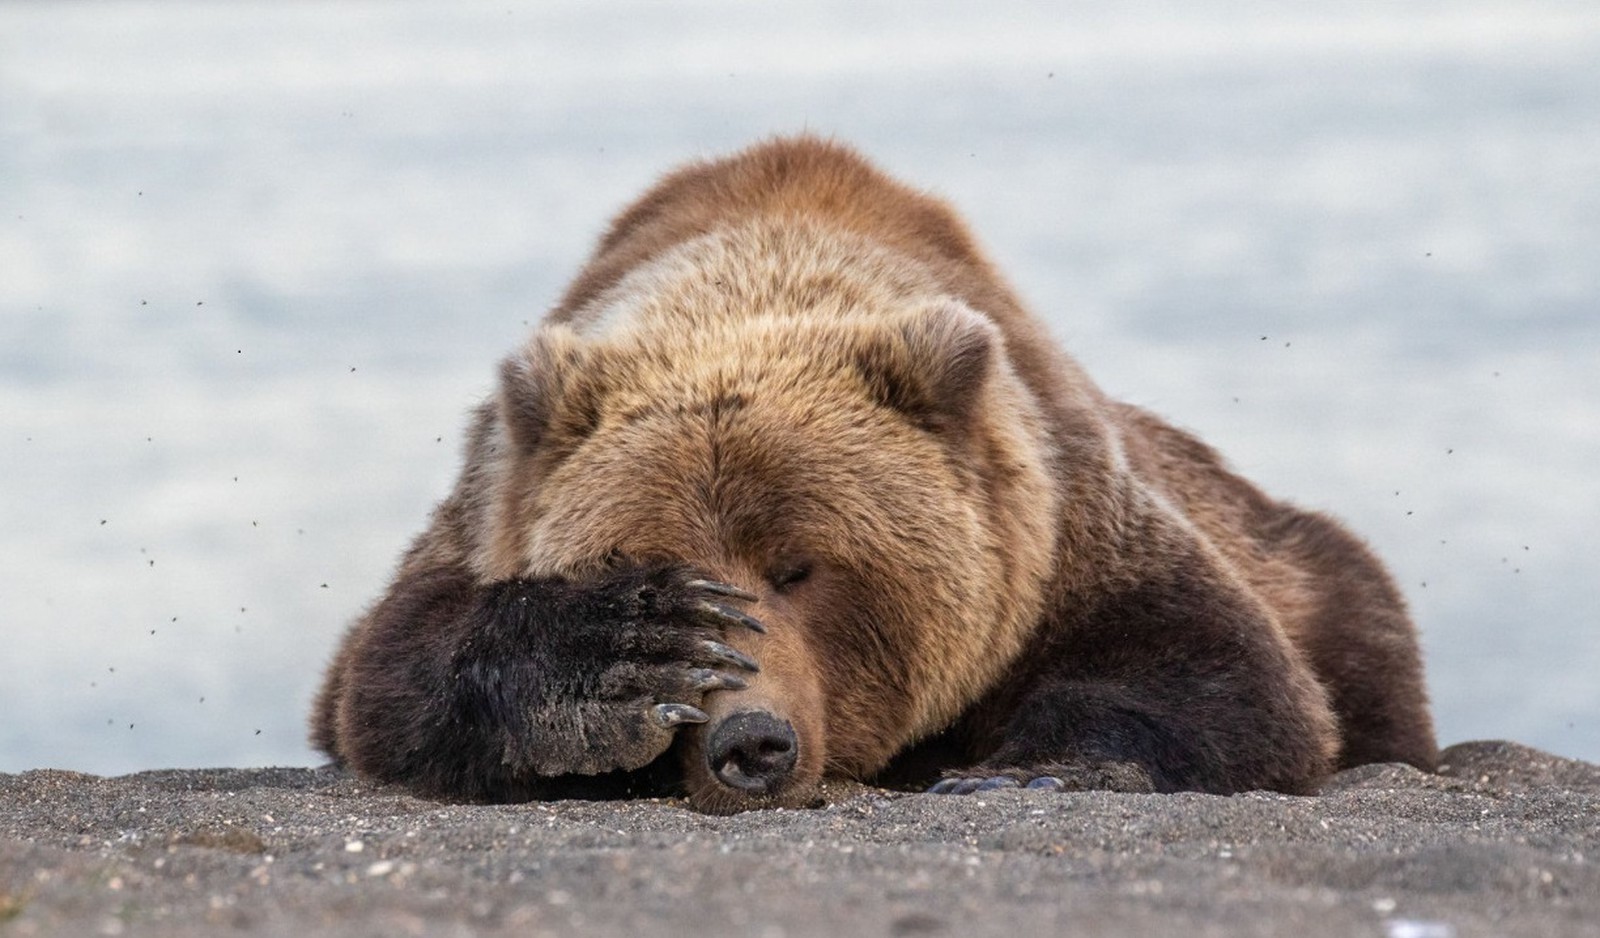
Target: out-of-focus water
pixel 256 262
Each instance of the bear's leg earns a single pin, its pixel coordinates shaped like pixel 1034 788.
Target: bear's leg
pixel 1364 647
pixel 1181 682
pixel 485 692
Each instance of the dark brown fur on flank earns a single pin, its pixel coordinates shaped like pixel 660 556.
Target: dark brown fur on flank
pixel 790 485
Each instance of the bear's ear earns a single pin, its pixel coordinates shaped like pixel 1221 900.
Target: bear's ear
pixel 932 366
pixel 539 394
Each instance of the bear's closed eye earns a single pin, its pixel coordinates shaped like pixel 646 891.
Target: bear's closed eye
pixel 787 576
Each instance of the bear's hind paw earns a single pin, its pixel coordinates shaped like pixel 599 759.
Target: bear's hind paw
pixel 966 786
pixel 1052 776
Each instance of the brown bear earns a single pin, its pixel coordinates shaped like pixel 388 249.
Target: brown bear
pixel 789 485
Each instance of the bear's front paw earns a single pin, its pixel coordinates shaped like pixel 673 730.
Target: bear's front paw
pixel 1055 776
pixel 643 648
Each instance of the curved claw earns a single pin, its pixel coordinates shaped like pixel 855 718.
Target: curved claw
pixel 722 589
pixel 702 679
pixel 724 615
pixel 1047 783
pixel 999 781
pixel 956 786
pixel 730 655
pixel 668 715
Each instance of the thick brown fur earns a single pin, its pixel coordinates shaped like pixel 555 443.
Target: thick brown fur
pixel 789 373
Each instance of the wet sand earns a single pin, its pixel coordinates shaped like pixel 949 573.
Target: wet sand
pixel 1504 841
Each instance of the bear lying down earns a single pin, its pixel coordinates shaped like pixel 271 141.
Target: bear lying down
pixel 789 485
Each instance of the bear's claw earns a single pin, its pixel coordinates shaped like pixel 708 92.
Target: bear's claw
pixel 704 679
pixel 722 589
pixel 720 614
pixel 668 715
pixel 729 655
pixel 966 786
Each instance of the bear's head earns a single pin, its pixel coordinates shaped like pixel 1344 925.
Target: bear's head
pixel 879 482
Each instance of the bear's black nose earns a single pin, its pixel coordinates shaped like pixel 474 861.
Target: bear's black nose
pixel 753 751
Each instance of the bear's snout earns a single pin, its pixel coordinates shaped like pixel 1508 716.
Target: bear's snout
pixel 753 751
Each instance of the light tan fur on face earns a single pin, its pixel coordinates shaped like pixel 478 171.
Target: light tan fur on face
pixel 726 442
pixel 771 307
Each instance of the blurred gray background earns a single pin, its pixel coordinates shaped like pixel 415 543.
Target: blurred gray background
pixel 258 260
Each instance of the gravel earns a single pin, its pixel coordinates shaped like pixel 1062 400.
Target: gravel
pixel 1504 841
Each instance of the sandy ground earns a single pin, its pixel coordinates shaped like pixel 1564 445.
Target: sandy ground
pixel 1505 841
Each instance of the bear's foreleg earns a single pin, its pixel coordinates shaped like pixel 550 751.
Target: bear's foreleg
pixel 482 691
pixel 1179 683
